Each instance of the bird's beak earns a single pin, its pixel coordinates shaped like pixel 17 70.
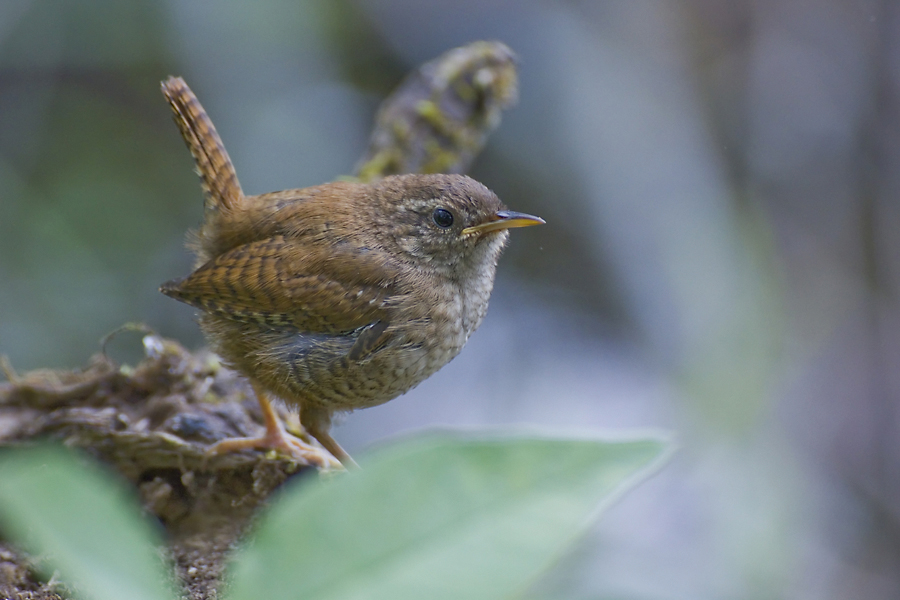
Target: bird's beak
pixel 504 219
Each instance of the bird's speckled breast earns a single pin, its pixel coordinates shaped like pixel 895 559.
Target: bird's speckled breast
pixel 314 369
pixel 412 356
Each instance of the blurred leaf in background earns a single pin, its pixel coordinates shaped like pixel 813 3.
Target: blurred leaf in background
pixel 82 522
pixel 440 516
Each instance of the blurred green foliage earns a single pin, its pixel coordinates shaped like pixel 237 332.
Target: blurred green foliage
pixel 439 516
pixel 81 521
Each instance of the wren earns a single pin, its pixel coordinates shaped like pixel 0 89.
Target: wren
pixel 339 296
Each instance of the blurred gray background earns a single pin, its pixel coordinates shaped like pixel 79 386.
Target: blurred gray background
pixel 722 256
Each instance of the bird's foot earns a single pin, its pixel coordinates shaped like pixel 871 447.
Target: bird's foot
pixel 279 440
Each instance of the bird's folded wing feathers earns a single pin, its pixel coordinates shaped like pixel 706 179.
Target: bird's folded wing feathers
pixel 265 282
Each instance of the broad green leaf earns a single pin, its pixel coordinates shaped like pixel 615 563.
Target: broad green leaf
pixel 84 523
pixel 437 517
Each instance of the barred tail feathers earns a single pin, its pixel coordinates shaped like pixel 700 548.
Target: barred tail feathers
pixel 220 183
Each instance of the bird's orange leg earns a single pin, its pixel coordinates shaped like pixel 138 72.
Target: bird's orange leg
pixel 332 446
pixel 277 438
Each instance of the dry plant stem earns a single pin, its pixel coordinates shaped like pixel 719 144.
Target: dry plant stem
pixel 439 118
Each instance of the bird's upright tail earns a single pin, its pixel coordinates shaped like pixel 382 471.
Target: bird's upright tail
pixel 221 188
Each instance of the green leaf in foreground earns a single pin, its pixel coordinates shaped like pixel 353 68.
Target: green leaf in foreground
pixel 439 516
pixel 86 525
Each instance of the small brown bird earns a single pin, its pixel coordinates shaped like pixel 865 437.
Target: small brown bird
pixel 339 296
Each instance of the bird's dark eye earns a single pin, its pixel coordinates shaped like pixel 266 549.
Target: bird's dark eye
pixel 442 217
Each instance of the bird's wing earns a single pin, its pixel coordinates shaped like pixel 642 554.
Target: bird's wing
pixel 272 283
